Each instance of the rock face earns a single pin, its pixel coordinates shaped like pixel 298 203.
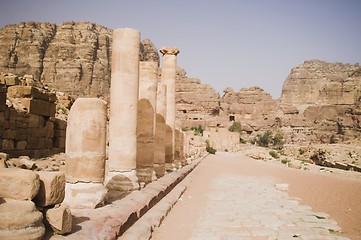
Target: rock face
pixel 322 102
pixel 73 57
pixel 252 106
pixel 196 103
pixel 319 83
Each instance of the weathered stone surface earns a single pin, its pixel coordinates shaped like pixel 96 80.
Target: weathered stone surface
pixel 111 220
pixel 168 76
pixel 30 92
pixel 20 220
pixel 124 100
pixel 19 184
pixel 39 107
pixel 73 57
pixel 148 52
pixel 59 219
pixel 52 189
pixel 3 158
pixel 196 103
pixel 84 195
pixel 23 162
pixel 317 82
pixel 86 141
pixel 160 128
pixel 146 120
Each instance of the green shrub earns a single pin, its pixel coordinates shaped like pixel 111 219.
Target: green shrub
pixel 285 161
pixel 265 139
pixel 236 127
pixel 198 130
pixel 210 149
pixel 274 154
pixel 278 141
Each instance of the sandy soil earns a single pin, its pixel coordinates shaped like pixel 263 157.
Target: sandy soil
pixel 339 195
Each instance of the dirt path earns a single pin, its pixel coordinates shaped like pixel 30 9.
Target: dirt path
pixel 231 195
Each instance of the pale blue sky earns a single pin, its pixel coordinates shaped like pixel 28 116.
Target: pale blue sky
pixel 229 43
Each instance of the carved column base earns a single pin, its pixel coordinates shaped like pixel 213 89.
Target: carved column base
pixel 120 184
pixel 84 195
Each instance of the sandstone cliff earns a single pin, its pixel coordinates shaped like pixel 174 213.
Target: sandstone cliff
pixel 320 83
pixel 320 101
pixel 196 103
pixel 325 101
pixel 252 106
pixel 73 57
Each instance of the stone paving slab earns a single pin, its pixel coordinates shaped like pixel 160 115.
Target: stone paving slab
pixel 243 207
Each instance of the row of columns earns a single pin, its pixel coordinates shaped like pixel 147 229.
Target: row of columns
pixel 142 134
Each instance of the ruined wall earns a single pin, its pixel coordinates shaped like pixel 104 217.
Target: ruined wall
pixel 28 124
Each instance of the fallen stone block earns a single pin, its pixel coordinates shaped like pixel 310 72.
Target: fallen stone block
pixel 30 92
pixel 59 219
pixel 12 80
pixel 22 162
pixel 39 107
pixel 3 158
pixel 19 184
pixel 52 189
pixel 20 220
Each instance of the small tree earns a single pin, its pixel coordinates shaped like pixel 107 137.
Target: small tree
pixel 198 130
pixel 278 141
pixel 210 149
pixel 265 139
pixel 236 127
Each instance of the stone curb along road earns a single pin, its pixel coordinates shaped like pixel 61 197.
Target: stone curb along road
pixel 134 216
pixel 143 228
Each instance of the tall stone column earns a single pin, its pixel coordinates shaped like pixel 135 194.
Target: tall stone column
pixel 121 178
pixel 148 81
pixel 85 153
pixel 179 147
pixel 168 79
pixel 159 138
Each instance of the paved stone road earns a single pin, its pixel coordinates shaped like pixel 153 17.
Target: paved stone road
pixel 237 206
pixel 249 208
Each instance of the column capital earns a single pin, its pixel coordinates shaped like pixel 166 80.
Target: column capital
pixel 169 51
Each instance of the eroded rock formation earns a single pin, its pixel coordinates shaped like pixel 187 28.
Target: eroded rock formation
pixel 196 103
pixel 73 57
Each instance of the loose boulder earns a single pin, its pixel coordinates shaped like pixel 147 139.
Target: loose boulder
pixel 19 184
pixel 59 219
pixel 52 189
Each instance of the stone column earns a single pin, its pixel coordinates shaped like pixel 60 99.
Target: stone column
pixel 146 120
pixel 123 112
pixel 179 147
pixel 85 153
pixel 168 79
pixel 159 138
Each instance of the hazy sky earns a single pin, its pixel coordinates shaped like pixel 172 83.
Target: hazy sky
pixel 228 43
